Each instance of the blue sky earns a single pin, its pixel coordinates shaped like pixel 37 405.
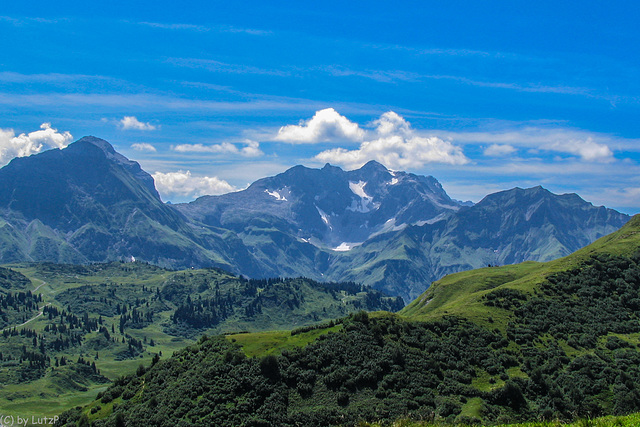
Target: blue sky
pixel 210 96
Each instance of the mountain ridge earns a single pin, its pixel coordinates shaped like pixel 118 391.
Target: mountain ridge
pixel 88 203
pixel 329 204
pixel 393 230
pixel 492 232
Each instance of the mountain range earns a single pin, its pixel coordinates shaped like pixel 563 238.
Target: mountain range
pixel 392 230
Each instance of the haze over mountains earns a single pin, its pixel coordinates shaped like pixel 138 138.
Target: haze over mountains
pixel 392 230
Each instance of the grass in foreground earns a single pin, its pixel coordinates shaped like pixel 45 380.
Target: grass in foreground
pixel 632 420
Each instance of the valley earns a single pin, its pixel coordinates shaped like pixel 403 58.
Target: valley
pixel 88 325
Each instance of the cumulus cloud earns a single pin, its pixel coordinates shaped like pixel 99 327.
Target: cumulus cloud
pixel 397 152
pixel 398 146
pixel 325 125
pixel 251 149
pixel 32 143
pixel 499 150
pixel 587 149
pixel 184 185
pixel 132 123
pixel 143 146
pixel 391 123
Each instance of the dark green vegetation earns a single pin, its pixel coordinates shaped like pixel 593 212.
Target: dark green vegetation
pixel 372 369
pixel 632 420
pixel 67 330
pixel 394 231
pixel 541 342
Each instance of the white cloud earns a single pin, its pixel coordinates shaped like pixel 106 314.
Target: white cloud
pixel 164 103
pixel 397 152
pixel 183 184
pixel 165 26
pixel 201 28
pixel 325 125
pixel 383 76
pixel 587 149
pixel 588 146
pixel 250 150
pixel 499 150
pixel 225 147
pixel 391 123
pixel 223 67
pixel 131 122
pixel 32 143
pixel 143 146
pixel 397 146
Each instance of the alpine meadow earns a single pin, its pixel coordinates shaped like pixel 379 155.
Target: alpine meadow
pixel 420 214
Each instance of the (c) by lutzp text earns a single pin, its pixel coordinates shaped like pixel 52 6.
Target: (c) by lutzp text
pixel 17 420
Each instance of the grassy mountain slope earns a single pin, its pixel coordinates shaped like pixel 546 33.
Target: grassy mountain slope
pixel 632 420
pixel 534 341
pixel 462 294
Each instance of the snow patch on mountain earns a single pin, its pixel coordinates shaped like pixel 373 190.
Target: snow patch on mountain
pixel 438 203
pixel 359 206
pixel 365 202
pixel 432 220
pixel 277 194
pixel 389 226
pixel 358 189
pixel 344 247
pixel 325 217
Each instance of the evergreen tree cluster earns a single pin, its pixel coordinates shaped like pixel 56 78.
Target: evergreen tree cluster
pixel 374 369
pixel 206 301
pixel 18 307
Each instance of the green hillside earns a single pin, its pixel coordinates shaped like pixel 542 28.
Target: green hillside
pixel 67 331
pixel 608 421
pixel 553 341
pixel 463 294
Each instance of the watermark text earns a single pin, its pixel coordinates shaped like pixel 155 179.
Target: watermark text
pixel 17 420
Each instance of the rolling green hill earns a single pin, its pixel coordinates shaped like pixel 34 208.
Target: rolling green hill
pixel 462 294
pixel 67 331
pixel 535 341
